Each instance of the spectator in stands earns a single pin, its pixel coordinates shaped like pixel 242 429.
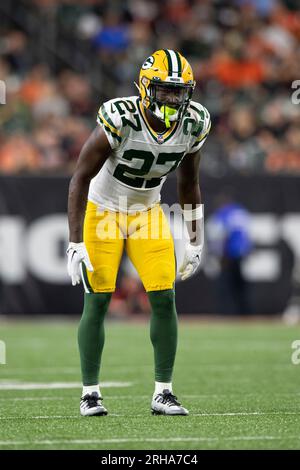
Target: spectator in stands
pixel 229 241
pixel 129 299
pixel 245 54
pixel 291 314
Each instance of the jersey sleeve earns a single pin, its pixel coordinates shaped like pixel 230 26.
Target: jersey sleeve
pixel 111 123
pixel 202 128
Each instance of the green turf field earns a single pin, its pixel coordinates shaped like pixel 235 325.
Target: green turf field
pixel 237 380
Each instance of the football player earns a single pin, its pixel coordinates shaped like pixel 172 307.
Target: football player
pixel 114 199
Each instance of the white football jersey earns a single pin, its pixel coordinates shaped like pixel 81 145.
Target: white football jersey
pixel 132 176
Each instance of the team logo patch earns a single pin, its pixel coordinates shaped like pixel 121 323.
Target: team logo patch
pixel 148 63
pixel 160 139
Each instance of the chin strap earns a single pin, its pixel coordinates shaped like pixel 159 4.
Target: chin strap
pixel 167 112
pixel 137 87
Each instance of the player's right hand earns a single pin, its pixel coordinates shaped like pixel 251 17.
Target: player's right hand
pixel 191 260
pixel 77 253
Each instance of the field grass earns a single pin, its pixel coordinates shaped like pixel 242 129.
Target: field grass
pixel 237 380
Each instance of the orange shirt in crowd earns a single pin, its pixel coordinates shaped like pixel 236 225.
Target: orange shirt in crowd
pixel 282 161
pixel 235 73
pixel 17 154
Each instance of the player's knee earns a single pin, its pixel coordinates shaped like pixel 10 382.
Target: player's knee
pixel 162 277
pixel 165 274
pixel 163 302
pixel 103 279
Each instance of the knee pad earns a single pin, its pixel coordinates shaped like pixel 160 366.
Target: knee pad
pixel 103 279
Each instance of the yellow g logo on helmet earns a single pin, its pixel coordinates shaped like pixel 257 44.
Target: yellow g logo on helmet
pixel 148 63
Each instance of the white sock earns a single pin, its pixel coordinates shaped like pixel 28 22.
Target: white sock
pixel 161 386
pixel 90 389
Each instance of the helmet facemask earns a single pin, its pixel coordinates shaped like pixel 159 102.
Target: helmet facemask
pixel 169 101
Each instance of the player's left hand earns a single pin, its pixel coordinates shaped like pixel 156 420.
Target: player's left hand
pixel 77 253
pixel 191 260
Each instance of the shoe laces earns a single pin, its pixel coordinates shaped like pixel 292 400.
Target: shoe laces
pixel 92 400
pixel 167 398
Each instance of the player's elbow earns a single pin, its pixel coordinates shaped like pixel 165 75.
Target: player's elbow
pixel 80 179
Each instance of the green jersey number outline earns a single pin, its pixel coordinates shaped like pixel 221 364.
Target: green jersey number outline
pixel 121 106
pixel 135 181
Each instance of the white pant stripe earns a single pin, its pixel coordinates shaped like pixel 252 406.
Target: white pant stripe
pixel 83 280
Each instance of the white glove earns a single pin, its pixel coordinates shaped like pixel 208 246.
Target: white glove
pixel 191 260
pixel 77 253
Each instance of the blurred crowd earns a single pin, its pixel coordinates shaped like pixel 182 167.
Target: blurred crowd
pixel 60 59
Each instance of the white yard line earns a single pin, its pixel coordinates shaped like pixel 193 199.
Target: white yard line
pixel 144 440
pixel 18 385
pixel 4 418
pixel 251 413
